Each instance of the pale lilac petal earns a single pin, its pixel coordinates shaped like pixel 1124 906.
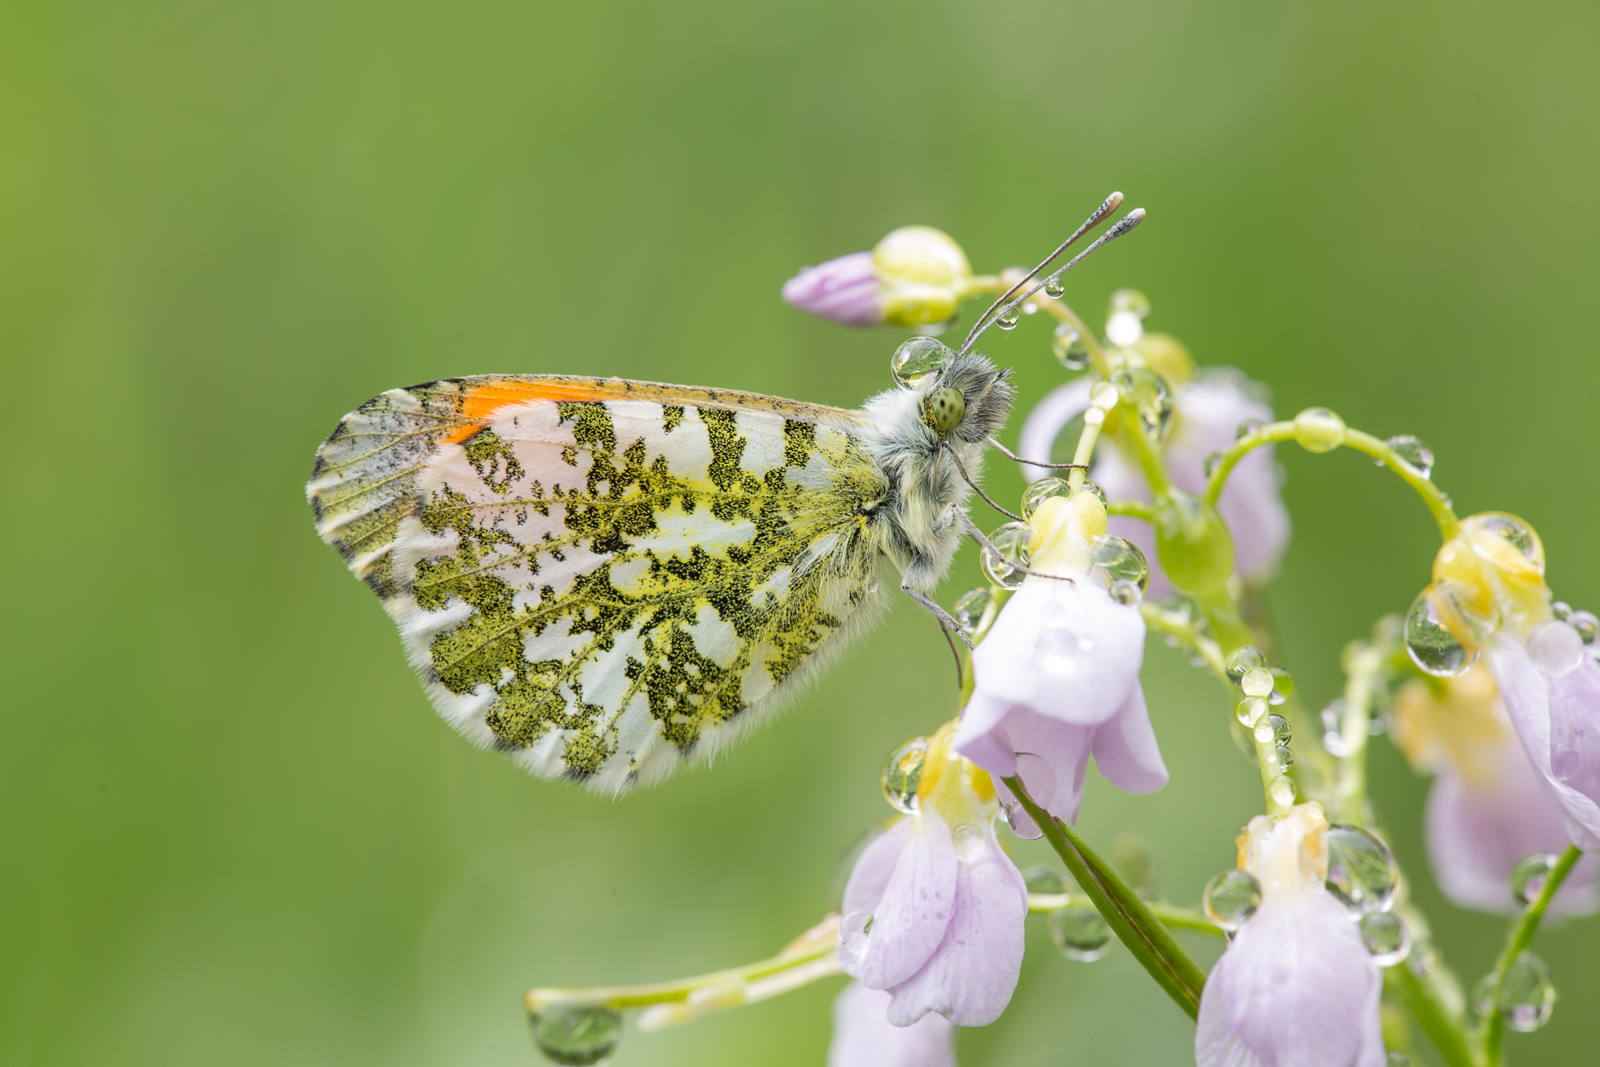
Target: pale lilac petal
pixel 864 1037
pixel 911 915
pixel 1476 832
pixel 1046 421
pixel 1527 693
pixel 1125 749
pixel 1063 649
pixel 1575 728
pixel 970 978
pixel 981 735
pixel 1052 758
pixel 874 867
pixel 845 290
pixel 1295 988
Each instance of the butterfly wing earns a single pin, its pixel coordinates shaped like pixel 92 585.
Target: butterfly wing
pixel 604 576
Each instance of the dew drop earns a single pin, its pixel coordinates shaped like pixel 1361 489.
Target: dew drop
pixel 1283 755
pixel 1129 300
pixel 1069 348
pixel 1230 898
pixel 1242 659
pixel 1079 932
pixel 1282 790
pixel 1397 1059
pixel 1124 328
pixel 1361 871
pixel 1125 592
pixel 1008 317
pixel 1045 880
pixel 970 608
pixel 1002 568
pixel 1587 625
pixel 1556 647
pixel 970 842
pixel 1529 875
pixel 1257 682
pixel 1282 685
pixel 1250 710
pixel 1333 729
pixel 917 359
pixel 1386 937
pixel 1318 430
pixel 1518 534
pixel 1121 561
pixel 1527 995
pixel 1054 286
pixel 1148 394
pixel 1432 646
pixel 902 773
pixel 576 1035
pixel 1211 462
pixel 1042 490
pixel 1246 428
pixel 1415 454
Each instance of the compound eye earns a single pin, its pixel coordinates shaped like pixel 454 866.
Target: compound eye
pixel 944 409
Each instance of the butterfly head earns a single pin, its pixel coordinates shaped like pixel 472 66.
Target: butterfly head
pixel 968 401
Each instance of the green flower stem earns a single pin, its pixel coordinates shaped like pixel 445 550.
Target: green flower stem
pixel 1146 451
pixel 1520 938
pixel 1350 780
pixel 1437 1021
pixel 1129 917
pixel 814 944
pixel 1436 501
pixel 1179 625
pixel 1171 917
pixel 1134 509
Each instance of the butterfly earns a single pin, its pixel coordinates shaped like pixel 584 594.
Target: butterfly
pixel 603 577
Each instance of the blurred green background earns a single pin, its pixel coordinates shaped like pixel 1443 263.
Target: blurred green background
pixel 233 831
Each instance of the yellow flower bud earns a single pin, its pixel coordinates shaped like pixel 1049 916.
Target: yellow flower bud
pixel 1489 577
pixel 925 275
pixel 1062 531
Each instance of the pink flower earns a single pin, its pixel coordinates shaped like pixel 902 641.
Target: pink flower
pixel 1208 411
pixel 1056 678
pixel 1551 688
pixel 1295 987
pixel 933 911
pixel 915 276
pixel 1487 808
pixel 863 1036
pixel 846 290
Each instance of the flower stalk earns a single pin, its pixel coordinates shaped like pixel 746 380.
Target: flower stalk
pixel 1517 942
pixel 1129 917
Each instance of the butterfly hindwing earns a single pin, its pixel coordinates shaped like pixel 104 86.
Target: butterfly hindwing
pixel 604 576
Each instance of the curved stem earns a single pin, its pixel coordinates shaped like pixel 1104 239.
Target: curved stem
pixel 1435 1019
pixel 814 944
pixel 1133 509
pixel 1520 938
pixel 1436 501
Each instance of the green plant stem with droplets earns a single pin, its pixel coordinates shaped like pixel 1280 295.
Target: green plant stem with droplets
pixel 1438 504
pixel 1517 942
pixel 1129 917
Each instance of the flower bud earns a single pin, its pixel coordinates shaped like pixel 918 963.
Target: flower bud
pixel 1193 543
pixel 846 290
pixel 924 273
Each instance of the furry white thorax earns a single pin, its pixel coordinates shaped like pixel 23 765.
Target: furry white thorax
pixel 917 530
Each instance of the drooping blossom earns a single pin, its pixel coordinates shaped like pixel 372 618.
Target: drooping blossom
pixel 1207 412
pixel 933 910
pixel 863 1036
pixel 1487 808
pixel 1056 679
pixel 1489 594
pixel 1295 987
pixel 915 276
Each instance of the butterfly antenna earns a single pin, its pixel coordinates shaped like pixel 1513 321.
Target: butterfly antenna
pixel 1009 300
pixel 1107 206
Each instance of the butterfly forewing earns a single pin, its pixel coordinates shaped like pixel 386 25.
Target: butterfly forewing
pixel 604 575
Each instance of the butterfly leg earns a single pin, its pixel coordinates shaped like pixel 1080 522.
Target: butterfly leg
pixel 947 622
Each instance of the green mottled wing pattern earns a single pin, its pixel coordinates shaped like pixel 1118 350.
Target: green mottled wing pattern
pixel 605 576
